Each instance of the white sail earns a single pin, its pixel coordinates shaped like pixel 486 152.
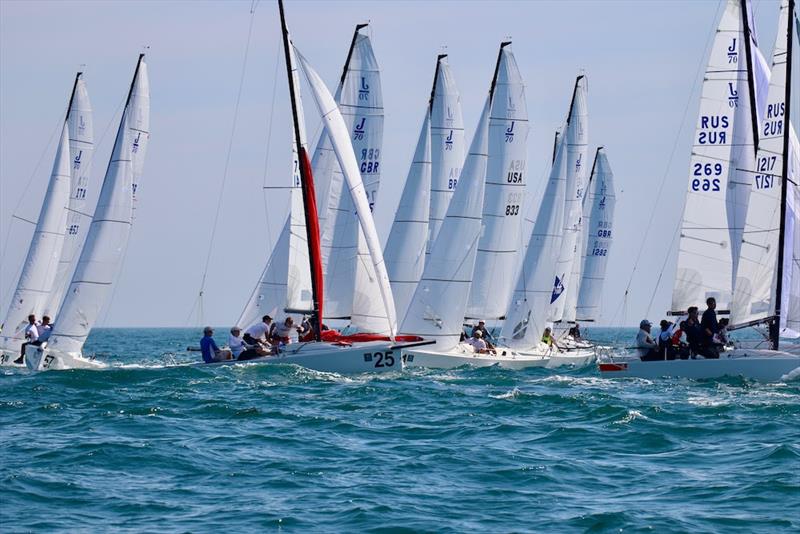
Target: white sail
pixel 338 133
pixel 81 150
pixel 529 310
pixel 790 309
pixel 39 270
pixel 405 248
pixel 754 294
pixel 705 254
pixel 447 145
pixel 440 299
pixel 351 289
pixel 139 126
pixel 503 210
pixel 599 222
pixel 107 239
pixel 567 278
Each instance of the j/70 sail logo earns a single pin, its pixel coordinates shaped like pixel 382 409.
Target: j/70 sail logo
pixel 358 132
pixel 448 142
pixel 81 124
pixel 363 91
pixel 510 133
pixel 733 54
pixel 733 96
pixel 76 163
pixel 135 147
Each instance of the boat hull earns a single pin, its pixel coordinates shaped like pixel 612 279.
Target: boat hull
pixel 44 359
pixel 575 358
pixel 461 356
pixel 371 357
pixel 762 365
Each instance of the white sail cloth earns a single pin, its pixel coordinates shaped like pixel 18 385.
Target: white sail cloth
pixel 405 248
pixel 81 150
pixel 528 313
pixel 447 145
pixel 440 299
pixel 503 210
pixel 713 207
pixel 338 133
pixel 38 273
pixel 568 269
pixel 756 277
pixel 351 288
pixel 107 239
pixel 600 202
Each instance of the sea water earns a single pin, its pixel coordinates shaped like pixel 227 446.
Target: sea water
pixel 144 446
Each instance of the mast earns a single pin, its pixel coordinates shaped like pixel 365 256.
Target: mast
pixel 349 52
pixel 775 325
pixel 307 184
pixel 439 58
pixel 750 81
pixel 72 96
pixel 591 173
pixel 555 146
pixel 497 68
pixel 574 94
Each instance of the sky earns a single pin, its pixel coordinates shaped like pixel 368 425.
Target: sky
pixel 644 61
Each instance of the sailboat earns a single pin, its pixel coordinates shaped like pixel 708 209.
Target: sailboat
pixel 59 227
pixel 342 355
pixel 754 277
pixel 106 241
pixel 439 303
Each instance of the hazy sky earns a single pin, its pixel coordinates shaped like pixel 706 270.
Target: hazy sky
pixel 644 61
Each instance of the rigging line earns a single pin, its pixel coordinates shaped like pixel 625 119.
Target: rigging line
pixel 269 140
pixel 657 198
pixel 661 272
pixel 228 155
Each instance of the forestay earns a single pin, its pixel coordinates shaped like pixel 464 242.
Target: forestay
pixel 338 133
pixel 529 310
pixel 600 202
pixel 81 151
pixel 716 172
pixel 566 282
pixel 754 295
pixel 107 239
pixel 447 144
pixel 496 262
pixel 39 270
pixel 440 299
pixel 405 248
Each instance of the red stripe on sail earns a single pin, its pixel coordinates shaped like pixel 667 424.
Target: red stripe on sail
pixel 312 232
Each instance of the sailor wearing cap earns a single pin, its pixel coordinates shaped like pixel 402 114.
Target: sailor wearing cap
pixel 646 345
pixel 211 352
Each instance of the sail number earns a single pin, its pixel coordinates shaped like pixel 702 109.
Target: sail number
pixel 516 171
pixel 380 359
pixel 765 164
pixel 512 203
pixel 706 169
pixel 705 184
pixel 369 160
pixel 599 252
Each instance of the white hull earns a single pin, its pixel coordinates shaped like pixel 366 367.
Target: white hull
pixel 44 359
pixel 575 357
pixel 371 357
pixel 463 355
pixel 756 364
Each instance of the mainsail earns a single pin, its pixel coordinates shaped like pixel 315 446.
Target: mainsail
pixel 440 299
pixel 503 210
pixel 81 150
pixel 566 281
pixel 107 239
pixel 39 270
pixel 599 219
pixel 405 248
pixel 529 310
pixel 447 144
pixel 757 294
pixel 719 175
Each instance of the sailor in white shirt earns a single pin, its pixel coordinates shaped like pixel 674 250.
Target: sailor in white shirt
pixel 259 333
pixel 44 329
pixel 235 342
pixel 31 334
pixel 477 342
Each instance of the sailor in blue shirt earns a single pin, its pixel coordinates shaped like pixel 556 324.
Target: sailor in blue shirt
pixel 211 352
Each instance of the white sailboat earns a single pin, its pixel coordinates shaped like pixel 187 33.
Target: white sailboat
pixel 440 300
pixel 341 355
pixel 106 241
pixel 503 209
pixel 57 229
pixel 764 291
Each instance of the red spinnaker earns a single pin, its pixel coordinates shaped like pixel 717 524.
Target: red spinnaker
pixel 312 232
